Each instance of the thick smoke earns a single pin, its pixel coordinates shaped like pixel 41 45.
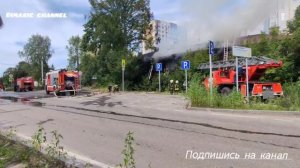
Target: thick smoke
pixel 217 20
pixel 1 22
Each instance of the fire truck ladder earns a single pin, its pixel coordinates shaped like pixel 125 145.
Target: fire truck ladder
pixel 242 62
pixel 150 72
pixel 225 57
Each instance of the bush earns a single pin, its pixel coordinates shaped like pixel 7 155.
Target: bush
pixel 200 96
pixel 291 99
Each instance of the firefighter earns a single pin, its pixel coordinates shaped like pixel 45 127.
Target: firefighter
pixel 115 88
pixel 110 88
pixel 171 87
pixel 176 87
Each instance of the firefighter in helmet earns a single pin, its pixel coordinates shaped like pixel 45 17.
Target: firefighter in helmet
pixel 176 87
pixel 171 86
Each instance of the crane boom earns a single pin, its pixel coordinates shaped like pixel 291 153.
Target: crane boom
pixel 251 62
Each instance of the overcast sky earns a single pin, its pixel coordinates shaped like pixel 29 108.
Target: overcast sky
pixel 16 31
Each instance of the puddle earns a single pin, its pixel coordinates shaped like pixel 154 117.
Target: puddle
pixel 23 100
pixel 43 122
pixel 36 104
pixel 14 99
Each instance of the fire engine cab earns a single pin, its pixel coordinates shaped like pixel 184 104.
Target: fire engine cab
pixel 63 81
pixel 2 87
pixel 24 84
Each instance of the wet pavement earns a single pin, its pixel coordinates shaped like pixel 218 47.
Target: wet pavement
pixel 31 98
pixel 95 127
pixel 26 98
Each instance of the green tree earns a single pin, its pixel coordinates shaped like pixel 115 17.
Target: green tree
pixel 22 70
pixel 115 30
pixel 294 43
pixel 74 52
pixel 274 32
pixel 36 51
pixel 294 24
pixel 88 67
pixel 6 74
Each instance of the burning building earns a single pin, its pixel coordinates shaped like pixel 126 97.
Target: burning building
pixel 162 33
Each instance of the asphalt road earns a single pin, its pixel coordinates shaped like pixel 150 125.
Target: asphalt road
pixel 94 129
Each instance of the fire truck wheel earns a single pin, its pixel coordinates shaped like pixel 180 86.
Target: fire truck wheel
pixel 225 91
pixel 47 92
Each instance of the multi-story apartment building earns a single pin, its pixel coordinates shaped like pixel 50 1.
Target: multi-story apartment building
pixel 162 33
pixel 284 11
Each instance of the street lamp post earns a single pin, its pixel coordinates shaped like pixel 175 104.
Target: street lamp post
pixel 42 71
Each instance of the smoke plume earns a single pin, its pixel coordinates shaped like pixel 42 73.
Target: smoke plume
pixel 217 20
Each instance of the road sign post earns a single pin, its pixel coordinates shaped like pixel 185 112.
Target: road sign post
pixel 186 65
pixel 247 80
pixel 186 83
pixel 42 71
pixel 211 53
pixel 237 73
pixel 123 73
pixel 158 68
pixel 242 52
pixel 159 85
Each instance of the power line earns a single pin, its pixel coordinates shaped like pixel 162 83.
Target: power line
pixel 1 63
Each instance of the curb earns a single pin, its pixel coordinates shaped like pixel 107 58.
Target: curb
pixel 259 112
pixel 72 158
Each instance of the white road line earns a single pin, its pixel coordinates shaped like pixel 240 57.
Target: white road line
pixel 255 117
pixel 285 120
pixel 233 115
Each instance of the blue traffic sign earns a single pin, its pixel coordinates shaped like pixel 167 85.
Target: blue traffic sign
pixel 158 67
pixel 185 65
pixel 211 48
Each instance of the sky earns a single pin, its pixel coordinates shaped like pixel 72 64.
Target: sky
pixel 17 31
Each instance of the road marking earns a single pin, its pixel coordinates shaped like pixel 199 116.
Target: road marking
pixel 285 120
pixel 80 159
pixel 254 117
pixel 16 110
pixel 234 115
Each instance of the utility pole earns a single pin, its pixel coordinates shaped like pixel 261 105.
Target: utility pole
pixel 123 70
pixel 277 19
pixel 42 67
pixel 123 74
pixel 247 80
pixel 42 70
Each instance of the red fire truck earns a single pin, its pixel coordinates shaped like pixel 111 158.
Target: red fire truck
pixel 63 81
pixel 24 84
pixel 224 77
pixel 1 87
